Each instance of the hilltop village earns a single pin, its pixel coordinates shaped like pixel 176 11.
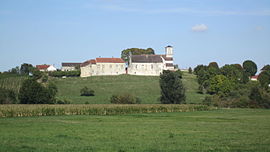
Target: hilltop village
pixel 143 64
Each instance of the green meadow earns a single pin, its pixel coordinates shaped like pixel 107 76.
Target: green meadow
pixel 223 130
pixel 146 88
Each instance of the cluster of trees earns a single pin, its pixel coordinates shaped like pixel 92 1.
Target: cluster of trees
pixel 135 51
pixel 24 69
pixel 76 73
pixel 230 85
pixel 172 88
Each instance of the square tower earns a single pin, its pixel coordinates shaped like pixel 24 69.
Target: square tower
pixel 169 51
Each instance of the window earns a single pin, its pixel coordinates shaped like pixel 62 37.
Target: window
pixel 110 66
pixel 152 66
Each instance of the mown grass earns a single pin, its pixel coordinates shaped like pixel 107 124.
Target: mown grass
pixel 145 87
pixel 242 130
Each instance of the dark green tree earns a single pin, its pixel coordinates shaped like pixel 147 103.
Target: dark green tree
pixel 172 88
pixel 32 92
pixel 213 65
pixel 26 68
pixel 250 67
pixel 232 72
pixel 190 70
pixel 266 68
pixel 135 51
pixel 264 79
pixel 7 96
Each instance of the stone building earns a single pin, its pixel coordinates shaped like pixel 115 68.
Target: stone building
pixel 70 66
pixel 103 66
pixel 151 65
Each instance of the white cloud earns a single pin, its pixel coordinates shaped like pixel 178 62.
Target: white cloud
pixel 259 28
pixel 199 28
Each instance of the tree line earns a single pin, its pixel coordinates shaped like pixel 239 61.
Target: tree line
pixel 230 85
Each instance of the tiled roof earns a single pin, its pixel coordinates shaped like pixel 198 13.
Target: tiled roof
pixel 146 59
pixel 110 60
pixel 88 62
pixel 42 67
pixel 71 64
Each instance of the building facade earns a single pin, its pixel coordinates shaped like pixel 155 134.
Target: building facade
pixel 103 66
pixel 151 65
pixel 70 66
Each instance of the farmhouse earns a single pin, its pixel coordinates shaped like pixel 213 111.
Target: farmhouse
pixel 45 67
pixel 70 66
pixel 103 66
pixel 151 65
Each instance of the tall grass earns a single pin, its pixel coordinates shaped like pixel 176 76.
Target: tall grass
pixel 100 109
pixel 12 83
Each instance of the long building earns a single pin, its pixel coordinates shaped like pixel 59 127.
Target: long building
pixel 103 66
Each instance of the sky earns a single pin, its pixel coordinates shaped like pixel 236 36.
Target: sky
pixel 201 31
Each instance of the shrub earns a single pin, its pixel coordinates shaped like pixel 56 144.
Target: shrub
pixel 87 92
pixel 32 92
pixel 190 70
pixel 62 101
pixel 172 88
pixel 7 96
pixel 125 99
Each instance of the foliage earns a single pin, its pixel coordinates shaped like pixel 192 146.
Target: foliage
pixel 179 73
pixel 26 68
pixel 75 73
pixel 232 72
pixel 264 79
pixel 172 88
pixel 220 85
pixel 125 99
pixel 213 65
pixel 199 68
pixel 87 92
pixel 135 51
pixel 190 70
pixel 266 68
pixel 250 67
pixel 32 92
pixel 7 96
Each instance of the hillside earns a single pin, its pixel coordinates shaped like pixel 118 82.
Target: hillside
pixel 145 87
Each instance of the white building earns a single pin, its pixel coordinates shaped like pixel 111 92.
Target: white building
pixel 151 65
pixel 45 68
pixel 103 66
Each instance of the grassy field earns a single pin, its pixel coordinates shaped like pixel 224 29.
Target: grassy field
pixel 146 88
pixel 246 130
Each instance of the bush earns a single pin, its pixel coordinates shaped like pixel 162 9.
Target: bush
pixel 7 96
pixel 172 88
pixel 76 73
pixel 62 101
pixel 87 92
pixel 32 92
pixel 125 99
